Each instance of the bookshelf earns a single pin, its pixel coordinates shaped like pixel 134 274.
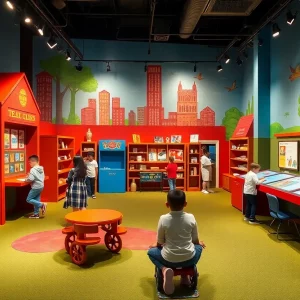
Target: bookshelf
pixel 155 157
pixel 193 175
pixel 86 147
pixel 240 155
pixel 56 156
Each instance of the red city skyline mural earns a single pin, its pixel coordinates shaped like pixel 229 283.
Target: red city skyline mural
pixel 111 112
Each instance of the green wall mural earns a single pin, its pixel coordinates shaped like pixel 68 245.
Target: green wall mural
pixel 231 119
pixel 250 107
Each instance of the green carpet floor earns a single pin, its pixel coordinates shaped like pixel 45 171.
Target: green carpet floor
pixel 241 262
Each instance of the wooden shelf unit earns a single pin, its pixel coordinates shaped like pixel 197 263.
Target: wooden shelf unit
pixel 193 156
pixel 145 153
pixel 52 147
pixel 83 152
pixel 240 154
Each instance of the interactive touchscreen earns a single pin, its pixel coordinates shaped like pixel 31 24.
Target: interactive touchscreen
pixel 263 174
pixel 276 177
pixel 297 193
pixel 288 185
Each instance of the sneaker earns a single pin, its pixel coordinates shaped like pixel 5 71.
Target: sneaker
pixel 205 192
pixel 254 222
pixel 246 219
pixel 44 208
pixel 34 216
pixel 93 196
pixel 211 191
pixel 185 280
pixel 168 285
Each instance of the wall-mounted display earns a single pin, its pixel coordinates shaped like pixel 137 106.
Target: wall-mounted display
pixel 288 155
pixel 287 185
pixel 14 142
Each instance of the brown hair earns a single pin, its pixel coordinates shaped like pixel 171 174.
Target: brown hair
pixel 254 166
pixel 171 159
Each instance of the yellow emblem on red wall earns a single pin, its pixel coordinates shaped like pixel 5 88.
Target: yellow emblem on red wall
pixel 23 97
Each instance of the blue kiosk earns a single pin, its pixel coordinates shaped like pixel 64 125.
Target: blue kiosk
pixel 112 166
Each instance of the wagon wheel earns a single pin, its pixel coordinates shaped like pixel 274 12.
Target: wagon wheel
pixel 106 228
pixel 113 242
pixel 78 253
pixel 70 238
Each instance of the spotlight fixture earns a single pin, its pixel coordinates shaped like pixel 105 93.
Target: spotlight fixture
pixel 260 42
pixel 10 5
pixel 79 67
pixel 146 68
pixel 239 61
pixel 52 42
pixel 195 68
pixel 40 30
pixel 68 55
pixel 27 20
pixel 219 68
pixel 245 54
pixel 227 58
pixel 290 18
pixel 108 67
pixel 276 30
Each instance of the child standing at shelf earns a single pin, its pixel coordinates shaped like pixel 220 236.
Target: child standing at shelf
pixel 92 174
pixel 77 191
pixel 206 171
pixel 36 177
pixel 250 192
pixel 172 173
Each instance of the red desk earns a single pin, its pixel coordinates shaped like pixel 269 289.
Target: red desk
pixel 15 182
pixel 262 203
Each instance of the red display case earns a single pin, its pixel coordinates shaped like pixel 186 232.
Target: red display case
pixel 19 117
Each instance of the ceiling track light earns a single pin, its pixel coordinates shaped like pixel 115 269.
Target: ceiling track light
pixel 52 42
pixel 40 30
pixel 79 66
pixel 239 61
pixel 108 67
pixel 290 18
pixel 146 68
pixel 245 54
pixel 68 55
pixel 219 68
pixel 227 58
pixel 27 20
pixel 260 42
pixel 276 30
pixel 10 5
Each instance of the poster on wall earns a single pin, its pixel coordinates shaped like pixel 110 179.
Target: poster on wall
pixel 6 138
pixel 288 155
pixel 14 139
pixel 21 139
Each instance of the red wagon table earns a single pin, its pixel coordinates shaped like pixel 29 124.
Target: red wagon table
pixel 108 220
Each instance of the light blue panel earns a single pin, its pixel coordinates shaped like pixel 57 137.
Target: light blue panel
pixel 112 181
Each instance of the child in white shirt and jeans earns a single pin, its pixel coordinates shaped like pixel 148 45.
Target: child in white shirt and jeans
pixel 92 174
pixel 250 193
pixel 177 244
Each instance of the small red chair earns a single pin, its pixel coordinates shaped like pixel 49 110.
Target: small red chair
pixel 78 247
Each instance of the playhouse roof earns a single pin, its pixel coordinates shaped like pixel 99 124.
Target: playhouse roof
pixel 8 83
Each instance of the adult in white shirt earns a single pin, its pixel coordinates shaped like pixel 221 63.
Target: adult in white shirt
pixel 206 171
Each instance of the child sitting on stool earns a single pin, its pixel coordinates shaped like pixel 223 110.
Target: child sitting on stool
pixel 177 244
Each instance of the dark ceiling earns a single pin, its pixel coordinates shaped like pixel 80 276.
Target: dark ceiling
pixel 210 22
pixel 130 20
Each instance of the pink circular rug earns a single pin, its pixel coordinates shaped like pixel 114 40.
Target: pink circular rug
pixel 53 240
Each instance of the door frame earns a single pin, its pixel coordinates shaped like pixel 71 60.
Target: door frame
pixel 214 142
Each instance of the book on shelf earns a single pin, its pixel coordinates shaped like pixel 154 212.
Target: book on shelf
pixel 162 155
pixel 152 154
pixel 177 154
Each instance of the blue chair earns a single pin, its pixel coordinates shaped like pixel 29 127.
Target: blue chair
pixel 276 214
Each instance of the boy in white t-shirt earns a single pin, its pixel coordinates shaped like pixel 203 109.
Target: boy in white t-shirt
pixel 92 174
pixel 177 244
pixel 250 192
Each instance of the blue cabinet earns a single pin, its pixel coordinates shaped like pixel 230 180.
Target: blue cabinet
pixel 112 164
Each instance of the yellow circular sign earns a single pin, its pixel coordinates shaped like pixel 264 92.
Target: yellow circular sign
pixel 23 97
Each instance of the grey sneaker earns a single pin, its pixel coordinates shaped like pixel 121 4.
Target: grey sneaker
pixel 34 216
pixel 254 222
